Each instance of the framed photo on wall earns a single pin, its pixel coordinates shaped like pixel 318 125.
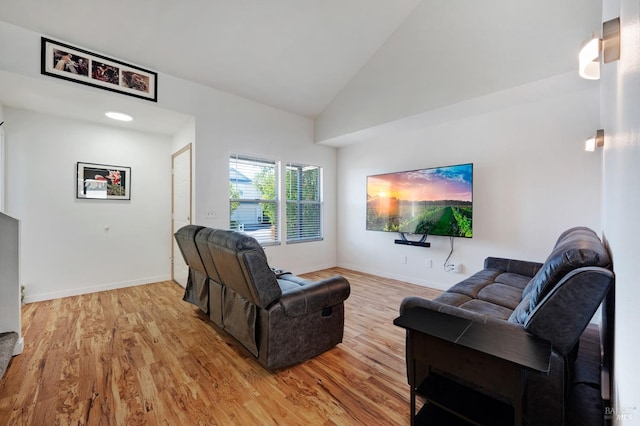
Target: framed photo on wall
pixel 103 182
pixel 71 63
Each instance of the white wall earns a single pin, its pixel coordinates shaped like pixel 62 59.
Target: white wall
pixel 66 248
pixel 2 155
pixel 224 123
pixel 620 91
pixel 532 180
pixel 185 136
pixel 449 51
pixel 271 136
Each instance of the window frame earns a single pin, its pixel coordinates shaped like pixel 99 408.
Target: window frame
pixel 299 203
pixel 275 229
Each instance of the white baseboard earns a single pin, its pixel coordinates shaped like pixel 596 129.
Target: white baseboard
pixel 39 297
pixel 313 268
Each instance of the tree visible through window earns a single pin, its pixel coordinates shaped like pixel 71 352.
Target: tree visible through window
pixel 304 204
pixel 253 197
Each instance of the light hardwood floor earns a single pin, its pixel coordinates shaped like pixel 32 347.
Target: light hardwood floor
pixel 142 356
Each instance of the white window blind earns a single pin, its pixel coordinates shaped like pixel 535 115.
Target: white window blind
pixel 304 203
pixel 253 197
pixel 1 169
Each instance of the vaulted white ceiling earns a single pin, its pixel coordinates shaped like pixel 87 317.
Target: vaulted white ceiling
pixel 291 54
pixel 333 59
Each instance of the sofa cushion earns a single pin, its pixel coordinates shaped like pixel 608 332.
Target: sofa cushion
pixel 522 311
pixel 513 280
pixel 452 299
pixel 519 267
pixel 501 294
pixel 475 283
pixel 485 288
pixel 487 308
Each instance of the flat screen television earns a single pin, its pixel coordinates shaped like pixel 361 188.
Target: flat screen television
pixel 434 201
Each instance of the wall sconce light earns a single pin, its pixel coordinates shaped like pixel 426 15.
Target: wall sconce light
pixel 596 141
pixel 609 45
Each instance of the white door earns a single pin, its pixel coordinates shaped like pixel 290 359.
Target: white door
pixel 180 209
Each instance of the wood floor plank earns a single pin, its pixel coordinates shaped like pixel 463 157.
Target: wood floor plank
pixel 142 356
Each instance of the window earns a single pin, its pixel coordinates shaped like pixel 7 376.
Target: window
pixel 253 197
pixel 1 169
pixel 304 204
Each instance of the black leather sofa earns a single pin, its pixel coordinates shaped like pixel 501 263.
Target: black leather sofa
pixel 554 301
pixel 280 318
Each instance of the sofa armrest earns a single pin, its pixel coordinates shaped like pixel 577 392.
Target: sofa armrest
pixel 496 339
pixel 413 302
pixel 565 312
pixel 311 296
pixel 520 267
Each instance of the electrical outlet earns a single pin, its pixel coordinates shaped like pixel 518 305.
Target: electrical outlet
pixel 403 260
pixel 457 268
pixel 429 263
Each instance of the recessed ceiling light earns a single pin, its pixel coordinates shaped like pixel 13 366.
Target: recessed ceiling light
pixel 119 116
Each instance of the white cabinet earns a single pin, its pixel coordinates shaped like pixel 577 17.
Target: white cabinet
pixel 10 278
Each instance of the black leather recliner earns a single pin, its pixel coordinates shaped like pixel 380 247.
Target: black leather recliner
pixel 280 318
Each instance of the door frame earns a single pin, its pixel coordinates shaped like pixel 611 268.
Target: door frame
pixel 173 230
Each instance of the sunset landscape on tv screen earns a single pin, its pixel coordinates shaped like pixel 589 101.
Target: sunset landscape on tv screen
pixel 435 201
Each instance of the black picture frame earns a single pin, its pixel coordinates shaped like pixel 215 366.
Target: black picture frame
pixel 103 182
pixel 71 63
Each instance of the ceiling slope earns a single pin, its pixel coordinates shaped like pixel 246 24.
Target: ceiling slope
pixel 295 55
pixel 450 51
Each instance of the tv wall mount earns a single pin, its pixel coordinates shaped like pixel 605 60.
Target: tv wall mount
pixel 422 242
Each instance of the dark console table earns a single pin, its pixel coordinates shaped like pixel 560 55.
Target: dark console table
pixel 468 372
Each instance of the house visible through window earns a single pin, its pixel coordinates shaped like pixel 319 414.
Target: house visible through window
pixel 304 204
pixel 253 197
